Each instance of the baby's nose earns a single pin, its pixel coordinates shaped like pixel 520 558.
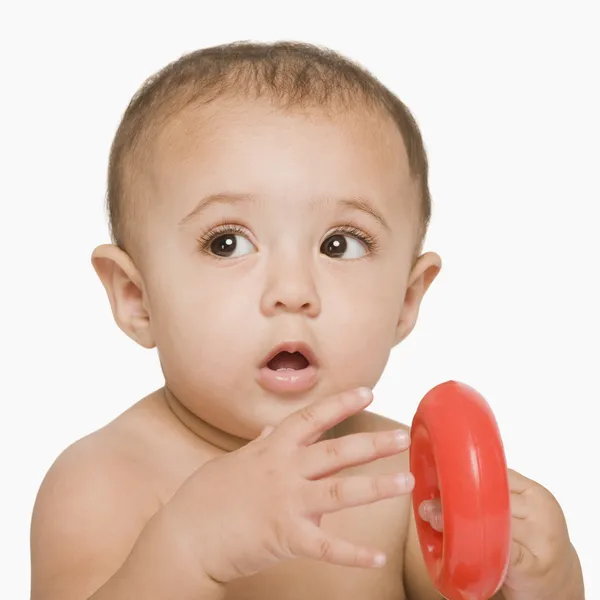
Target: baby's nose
pixel 296 301
pixel 291 291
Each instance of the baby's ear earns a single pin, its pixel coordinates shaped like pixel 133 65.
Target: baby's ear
pixel 424 272
pixel 125 290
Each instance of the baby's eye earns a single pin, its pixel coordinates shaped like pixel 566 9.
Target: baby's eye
pixel 231 245
pixel 343 246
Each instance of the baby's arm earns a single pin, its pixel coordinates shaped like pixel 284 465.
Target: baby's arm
pixel 85 535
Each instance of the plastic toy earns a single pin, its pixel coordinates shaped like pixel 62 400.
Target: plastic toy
pixel 457 456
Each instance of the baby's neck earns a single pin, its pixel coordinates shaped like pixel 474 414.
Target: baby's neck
pixel 208 434
pixel 204 431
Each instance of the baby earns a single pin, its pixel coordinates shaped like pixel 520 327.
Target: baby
pixel 268 205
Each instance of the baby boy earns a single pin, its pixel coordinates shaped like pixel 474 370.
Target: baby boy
pixel 268 205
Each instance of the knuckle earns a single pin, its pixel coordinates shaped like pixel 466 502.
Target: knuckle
pixel 297 545
pixel 376 443
pixel 281 542
pixel 336 492
pixel 308 415
pixel 376 487
pixel 518 556
pixel 274 477
pixel 324 549
pixel 333 449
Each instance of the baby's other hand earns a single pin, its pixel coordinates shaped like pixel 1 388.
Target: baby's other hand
pixel 543 563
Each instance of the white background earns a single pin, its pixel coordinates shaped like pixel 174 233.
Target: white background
pixel 508 102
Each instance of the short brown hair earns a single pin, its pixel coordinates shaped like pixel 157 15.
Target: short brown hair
pixel 291 73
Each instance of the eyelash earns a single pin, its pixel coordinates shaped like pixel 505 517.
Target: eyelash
pixel 206 239
pixel 371 242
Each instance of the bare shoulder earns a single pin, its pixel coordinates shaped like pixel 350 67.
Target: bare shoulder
pixel 90 508
pixel 370 421
pixel 382 525
pixel 365 422
pixel 416 580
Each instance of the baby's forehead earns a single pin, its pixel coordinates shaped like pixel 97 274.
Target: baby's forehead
pixel 241 147
pixel 239 134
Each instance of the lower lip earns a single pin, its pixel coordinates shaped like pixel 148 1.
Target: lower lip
pixel 288 382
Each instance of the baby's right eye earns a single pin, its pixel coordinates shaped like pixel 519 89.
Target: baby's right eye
pixel 231 245
pixel 227 241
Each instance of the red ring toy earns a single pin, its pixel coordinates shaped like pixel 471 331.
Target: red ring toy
pixel 457 456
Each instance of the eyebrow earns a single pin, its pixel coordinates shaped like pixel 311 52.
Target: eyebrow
pixel 233 199
pixel 365 207
pixel 207 201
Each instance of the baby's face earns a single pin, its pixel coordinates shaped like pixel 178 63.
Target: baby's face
pixel 268 228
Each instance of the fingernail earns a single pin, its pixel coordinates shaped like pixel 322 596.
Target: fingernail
pixel 405 480
pixel 364 392
pixel 402 436
pixel 379 560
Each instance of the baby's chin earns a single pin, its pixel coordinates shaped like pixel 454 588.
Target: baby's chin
pixel 235 413
pixel 239 408
pixel 262 410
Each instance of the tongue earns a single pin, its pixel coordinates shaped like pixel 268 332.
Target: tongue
pixel 287 361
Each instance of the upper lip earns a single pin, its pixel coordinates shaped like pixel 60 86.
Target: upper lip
pixel 291 347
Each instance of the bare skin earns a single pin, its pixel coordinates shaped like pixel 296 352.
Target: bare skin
pixel 132 468
pixel 105 494
pixel 114 491
pixel 184 496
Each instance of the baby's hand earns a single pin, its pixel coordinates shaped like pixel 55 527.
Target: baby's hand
pixel 543 563
pixel 262 504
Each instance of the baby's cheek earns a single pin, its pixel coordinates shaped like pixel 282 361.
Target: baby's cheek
pixel 358 351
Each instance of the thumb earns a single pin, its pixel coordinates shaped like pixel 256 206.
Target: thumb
pixel 431 511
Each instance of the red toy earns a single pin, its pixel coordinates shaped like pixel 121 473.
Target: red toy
pixel 457 456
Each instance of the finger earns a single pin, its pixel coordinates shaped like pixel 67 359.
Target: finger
pixel 331 495
pixel 306 425
pixel 529 499
pixel 535 540
pixel 520 557
pixel 522 531
pixel 331 456
pixel 312 542
pixel 431 512
pixel 520 507
pixel 519 483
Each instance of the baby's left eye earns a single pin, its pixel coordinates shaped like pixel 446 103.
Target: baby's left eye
pixel 343 246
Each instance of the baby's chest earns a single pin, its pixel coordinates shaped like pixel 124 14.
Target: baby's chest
pixel 310 582
pixel 380 526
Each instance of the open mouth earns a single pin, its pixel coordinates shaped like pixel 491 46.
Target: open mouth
pixel 291 368
pixel 288 361
pixel 290 356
